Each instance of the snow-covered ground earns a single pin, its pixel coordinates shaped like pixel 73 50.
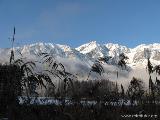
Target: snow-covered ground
pixel 53 101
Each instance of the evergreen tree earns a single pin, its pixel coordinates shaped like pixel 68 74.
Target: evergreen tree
pixel 135 90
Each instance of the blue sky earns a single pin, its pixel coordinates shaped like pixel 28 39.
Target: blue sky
pixel 75 22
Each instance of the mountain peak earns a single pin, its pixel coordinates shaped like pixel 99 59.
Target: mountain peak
pixel 93 42
pixel 85 48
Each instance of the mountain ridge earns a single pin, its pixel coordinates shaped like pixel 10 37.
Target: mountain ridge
pixel 92 51
pixel 78 61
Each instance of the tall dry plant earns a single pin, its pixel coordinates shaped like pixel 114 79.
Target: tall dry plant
pixel 12 51
pixel 30 79
pixel 57 70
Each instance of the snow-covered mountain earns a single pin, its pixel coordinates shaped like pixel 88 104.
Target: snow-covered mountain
pixel 93 50
pixel 32 51
pixel 79 60
pixel 90 52
pixel 137 56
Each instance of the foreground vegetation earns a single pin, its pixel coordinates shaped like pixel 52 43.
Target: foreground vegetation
pixel 80 112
